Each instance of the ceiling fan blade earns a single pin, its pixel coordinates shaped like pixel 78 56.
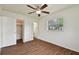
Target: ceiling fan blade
pixel 31 12
pixel 45 12
pixel 31 7
pixel 44 6
pixel 38 15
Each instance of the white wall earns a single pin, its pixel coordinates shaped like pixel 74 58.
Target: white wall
pixel 28 29
pixel 0 32
pixel 0 35
pixel 0 9
pixel 69 37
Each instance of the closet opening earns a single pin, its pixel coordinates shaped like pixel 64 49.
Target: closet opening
pixel 20 30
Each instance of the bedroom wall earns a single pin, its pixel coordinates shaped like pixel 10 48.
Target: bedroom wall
pixel 28 30
pixel 0 35
pixel 69 37
pixel 0 8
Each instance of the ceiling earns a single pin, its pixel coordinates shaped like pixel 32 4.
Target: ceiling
pixel 23 9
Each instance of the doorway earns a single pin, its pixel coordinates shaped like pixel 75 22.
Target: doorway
pixel 35 29
pixel 20 30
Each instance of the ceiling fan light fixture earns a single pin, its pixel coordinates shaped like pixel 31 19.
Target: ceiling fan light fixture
pixel 38 12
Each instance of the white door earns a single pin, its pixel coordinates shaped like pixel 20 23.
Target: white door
pixel 9 31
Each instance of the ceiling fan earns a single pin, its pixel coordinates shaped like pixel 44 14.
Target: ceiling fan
pixel 38 10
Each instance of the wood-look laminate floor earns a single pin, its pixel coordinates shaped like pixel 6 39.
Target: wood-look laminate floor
pixel 36 47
